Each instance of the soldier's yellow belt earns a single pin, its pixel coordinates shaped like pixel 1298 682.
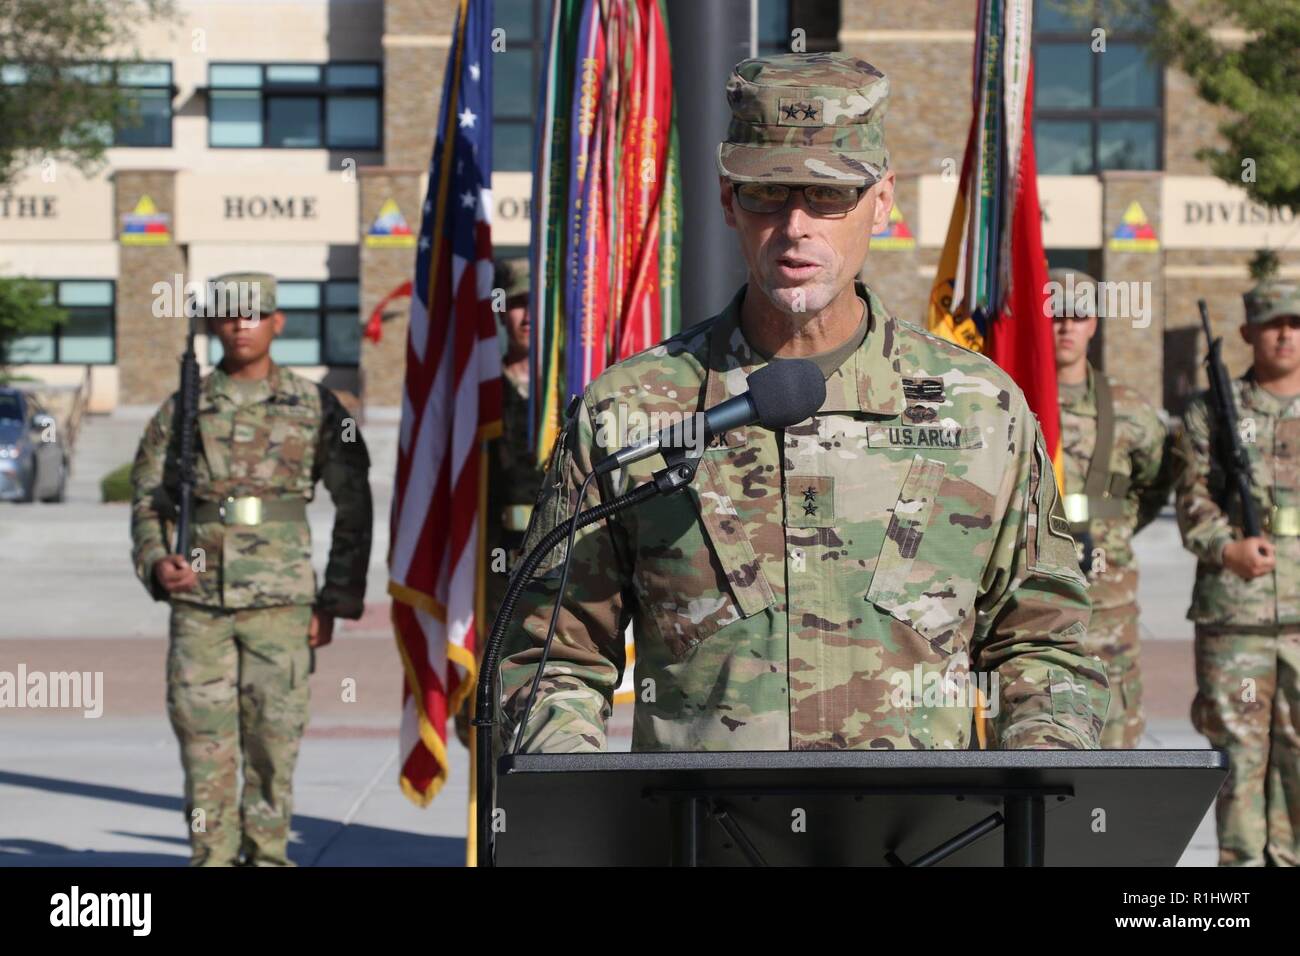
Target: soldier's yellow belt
pixel 250 510
pixel 1283 522
pixel 1079 508
pixel 516 517
pixel 1075 508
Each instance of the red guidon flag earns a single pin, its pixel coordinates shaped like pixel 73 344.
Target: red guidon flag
pixel 451 405
pixel 990 290
pixel 1021 336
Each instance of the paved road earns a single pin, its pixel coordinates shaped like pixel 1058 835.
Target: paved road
pixel 106 791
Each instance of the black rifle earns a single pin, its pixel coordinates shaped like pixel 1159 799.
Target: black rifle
pixel 187 411
pixel 1235 463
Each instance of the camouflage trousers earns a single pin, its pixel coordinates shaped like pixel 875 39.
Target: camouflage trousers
pixel 1113 638
pixel 1248 704
pixel 237 692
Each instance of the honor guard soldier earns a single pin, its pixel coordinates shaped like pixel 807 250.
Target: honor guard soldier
pixel 1246 601
pixel 514 477
pixel 1117 478
pixel 246 613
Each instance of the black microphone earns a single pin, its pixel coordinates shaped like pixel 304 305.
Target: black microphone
pixel 782 393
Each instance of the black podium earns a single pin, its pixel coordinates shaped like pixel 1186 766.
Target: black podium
pixel 854 808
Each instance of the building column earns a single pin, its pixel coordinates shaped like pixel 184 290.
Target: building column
pixel 148 347
pixel 417 39
pixel 894 269
pixel 385 265
pixel 1132 350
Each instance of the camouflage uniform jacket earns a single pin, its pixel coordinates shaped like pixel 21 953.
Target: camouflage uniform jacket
pixel 514 476
pixel 1209 516
pixel 298 433
pixel 1141 477
pixel 790 595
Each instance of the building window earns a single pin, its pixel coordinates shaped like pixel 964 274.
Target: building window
pixel 145 114
pixel 777 20
pixel 146 118
pixel 295 105
pixel 321 324
pixel 515 82
pixel 517 71
pixel 85 338
pixel 1094 111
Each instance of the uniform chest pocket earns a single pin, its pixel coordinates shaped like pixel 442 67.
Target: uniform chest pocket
pixel 288 434
pixel 1286 460
pixel 927 573
pixel 679 580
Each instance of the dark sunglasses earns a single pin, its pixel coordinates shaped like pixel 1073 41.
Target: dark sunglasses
pixel 822 198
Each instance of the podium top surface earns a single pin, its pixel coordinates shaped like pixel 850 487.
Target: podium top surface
pixel 1102 807
pixel 794 760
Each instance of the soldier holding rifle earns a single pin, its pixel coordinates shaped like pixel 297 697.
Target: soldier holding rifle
pixel 246 613
pixel 1239 512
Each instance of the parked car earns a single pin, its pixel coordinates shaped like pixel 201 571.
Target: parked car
pixel 33 461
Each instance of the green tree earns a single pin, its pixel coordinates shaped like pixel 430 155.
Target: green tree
pixel 1257 79
pixel 54 101
pixel 26 308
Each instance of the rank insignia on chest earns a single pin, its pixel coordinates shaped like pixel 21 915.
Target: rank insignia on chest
pixel 809 501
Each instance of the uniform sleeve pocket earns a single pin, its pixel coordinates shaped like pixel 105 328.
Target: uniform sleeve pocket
pixel 907 524
pixel 926 573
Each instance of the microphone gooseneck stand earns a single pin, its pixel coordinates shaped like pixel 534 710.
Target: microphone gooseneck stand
pixel 679 473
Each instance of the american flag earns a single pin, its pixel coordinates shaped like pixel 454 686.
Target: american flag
pixel 451 405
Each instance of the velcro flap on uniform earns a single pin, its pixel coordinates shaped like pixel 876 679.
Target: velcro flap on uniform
pixel 906 528
pixel 726 532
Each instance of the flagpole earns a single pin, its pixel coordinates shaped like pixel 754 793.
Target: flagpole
pixel 480 614
pixel 707 39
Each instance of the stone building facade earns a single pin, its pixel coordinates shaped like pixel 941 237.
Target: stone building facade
pixel 294 136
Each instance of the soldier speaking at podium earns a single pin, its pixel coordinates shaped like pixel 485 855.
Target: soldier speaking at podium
pixel 834 584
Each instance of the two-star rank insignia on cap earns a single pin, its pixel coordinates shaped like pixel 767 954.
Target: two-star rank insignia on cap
pixel 799 113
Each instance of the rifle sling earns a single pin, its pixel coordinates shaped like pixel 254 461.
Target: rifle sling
pixel 1104 492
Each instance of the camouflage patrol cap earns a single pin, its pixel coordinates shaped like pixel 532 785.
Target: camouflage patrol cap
pixel 1078 295
pixel 1270 299
pixel 806 118
pixel 512 275
pixel 259 284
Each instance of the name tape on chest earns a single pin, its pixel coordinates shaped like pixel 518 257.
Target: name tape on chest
pixel 924 436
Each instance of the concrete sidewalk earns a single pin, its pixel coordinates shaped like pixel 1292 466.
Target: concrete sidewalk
pixel 106 791
pixel 112 797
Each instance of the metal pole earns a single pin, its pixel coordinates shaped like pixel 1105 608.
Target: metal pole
pixel 690 820
pixel 708 39
pixel 1025 831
